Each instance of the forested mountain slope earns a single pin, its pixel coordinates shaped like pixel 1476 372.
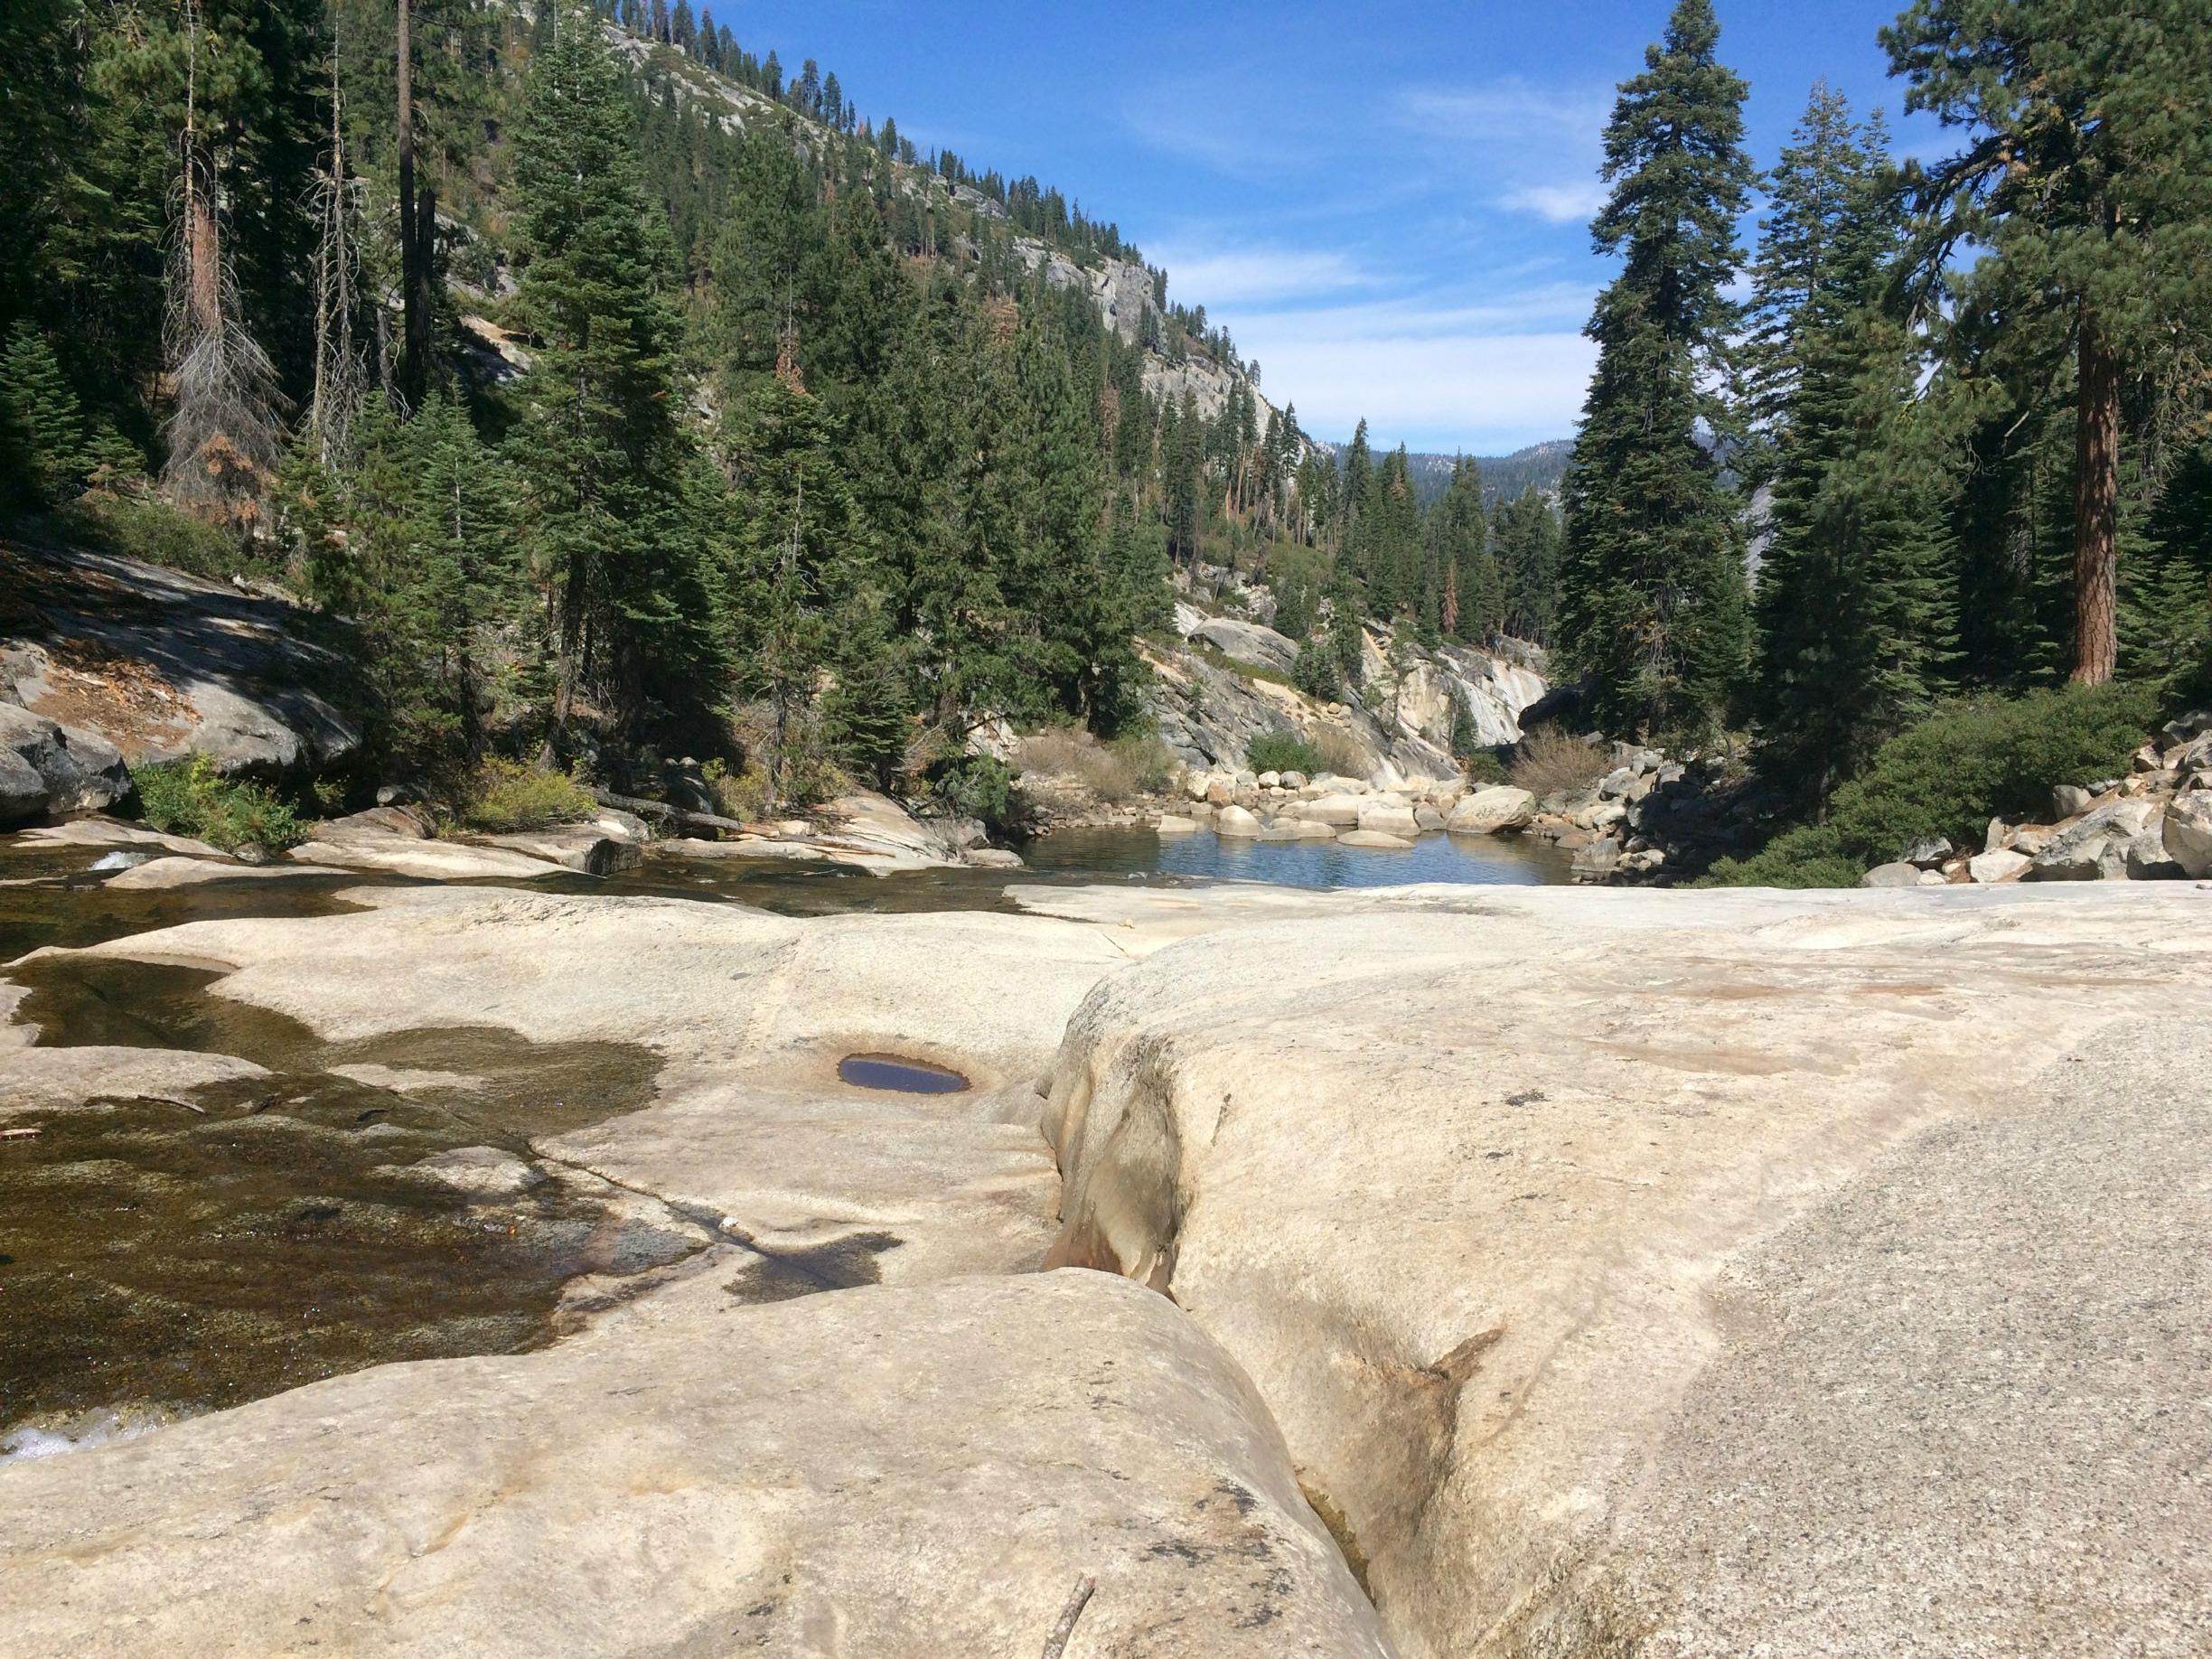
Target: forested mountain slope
pixel 622 397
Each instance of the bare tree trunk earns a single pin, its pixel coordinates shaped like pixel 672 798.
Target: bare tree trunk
pixel 2096 507
pixel 415 321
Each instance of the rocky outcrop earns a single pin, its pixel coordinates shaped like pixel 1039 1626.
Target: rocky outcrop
pixel 611 841
pixel 159 664
pixel 1660 1273
pixel 1400 725
pixel 47 768
pixel 907 1474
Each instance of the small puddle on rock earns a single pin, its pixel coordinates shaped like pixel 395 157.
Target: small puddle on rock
pixel 195 1252
pixel 901 1075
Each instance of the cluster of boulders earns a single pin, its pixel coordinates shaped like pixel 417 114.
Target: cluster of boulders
pixel 1647 816
pixel 2155 824
pixel 1385 813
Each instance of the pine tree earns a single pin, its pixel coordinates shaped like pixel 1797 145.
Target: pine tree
pixel 2089 178
pixel 1471 603
pixel 2166 591
pixel 1851 603
pixel 1825 178
pixel 1653 614
pixel 598 449
pixel 795 568
pixel 473 577
pixel 1526 535
pixel 43 453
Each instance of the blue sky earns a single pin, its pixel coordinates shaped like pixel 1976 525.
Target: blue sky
pixel 1388 204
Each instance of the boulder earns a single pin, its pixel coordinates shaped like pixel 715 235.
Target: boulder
pixel 1291 779
pixel 2187 832
pixel 2068 799
pixel 599 847
pixel 1234 820
pixel 1375 840
pixel 994 858
pixel 2003 865
pixel 2092 849
pixel 1429 819
pixel 1929 854
pixel 1271 780
pixel 1597 859
pixel 46 767
pixel 1340 810
pixel 1498 810
pixel 2145 858
pixel 1171 824
pixel 902 1473
pixel 394 840
pixel 1902 874
pixel 1388 818
pixel 1197 784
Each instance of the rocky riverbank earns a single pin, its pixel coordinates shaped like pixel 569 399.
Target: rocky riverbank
pixel 1561 1232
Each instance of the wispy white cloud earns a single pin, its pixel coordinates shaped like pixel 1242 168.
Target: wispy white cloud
pixel 1559 204
pixel 1510 111
pixel 1431 372
pixel 1226 121
pixel 1485 392
pixel 1218 277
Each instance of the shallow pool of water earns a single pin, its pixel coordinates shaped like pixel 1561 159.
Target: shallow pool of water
pixel 899 1076
pixel 1119 854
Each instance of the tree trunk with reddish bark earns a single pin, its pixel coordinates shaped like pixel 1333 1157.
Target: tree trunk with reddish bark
pixel 2096 508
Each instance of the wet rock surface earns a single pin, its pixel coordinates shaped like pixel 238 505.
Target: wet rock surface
pixel 203 1208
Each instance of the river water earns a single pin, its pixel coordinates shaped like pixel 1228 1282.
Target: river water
pixel 170 1254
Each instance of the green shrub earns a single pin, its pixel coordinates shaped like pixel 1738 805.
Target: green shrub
pixel 1284 752
pixel 1949 775
pixel 1808 856
pixel 190 797
pixel 508 797
pixel 1481 766
pixel 146 528
pixel 979 786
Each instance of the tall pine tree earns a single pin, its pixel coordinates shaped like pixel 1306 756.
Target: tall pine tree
pixel 1852 606
pixel 598 448
pixel 1653 614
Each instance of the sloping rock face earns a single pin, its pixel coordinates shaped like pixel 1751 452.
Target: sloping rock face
pixel 1501 1200
pixel 160 664
pixel 891 1473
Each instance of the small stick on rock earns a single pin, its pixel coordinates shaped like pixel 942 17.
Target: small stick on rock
pixel 1078 1599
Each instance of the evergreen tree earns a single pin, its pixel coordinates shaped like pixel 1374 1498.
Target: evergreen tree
pixel 2089 178
pixel 1852 607
pixel 1526 535
pixel 1470 595
pixel 44 456
pixel 1654 613
pixel 597 446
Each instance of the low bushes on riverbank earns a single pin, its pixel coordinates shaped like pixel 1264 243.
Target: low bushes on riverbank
pixel 509 797
pixel 1947 777
pixel 190 797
